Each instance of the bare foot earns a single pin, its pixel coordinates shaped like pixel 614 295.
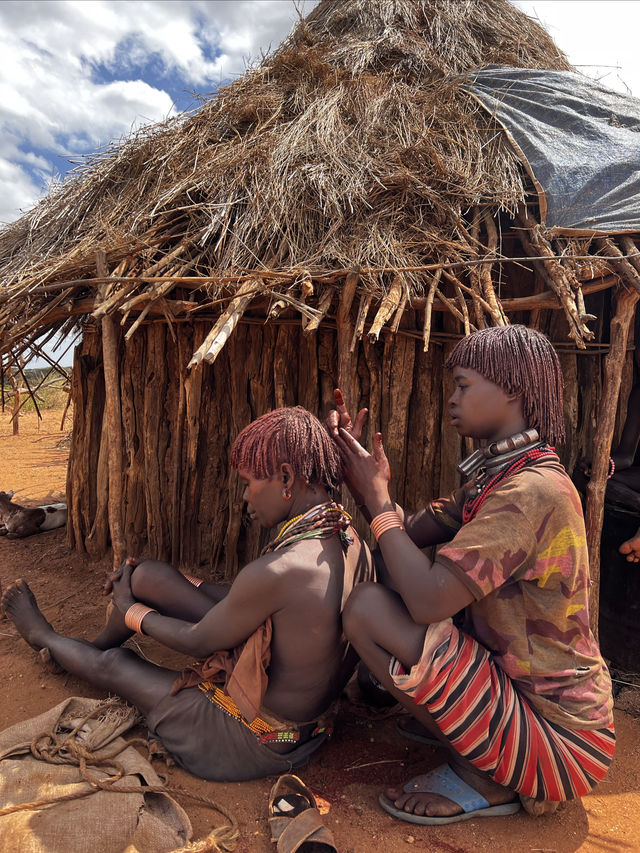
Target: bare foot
pixel 21 607
pixel 435 805
pixel 631 548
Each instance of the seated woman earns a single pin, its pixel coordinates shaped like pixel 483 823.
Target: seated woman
pixel 520 692
pixel 255 712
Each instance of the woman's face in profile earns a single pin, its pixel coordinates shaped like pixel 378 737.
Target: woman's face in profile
pixel 263 497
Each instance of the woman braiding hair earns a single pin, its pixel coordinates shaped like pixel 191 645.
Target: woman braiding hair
pixel 517 690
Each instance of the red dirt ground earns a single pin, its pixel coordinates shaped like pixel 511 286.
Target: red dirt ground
pixel 366 753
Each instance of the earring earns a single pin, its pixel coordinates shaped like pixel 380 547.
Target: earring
pixel 286 493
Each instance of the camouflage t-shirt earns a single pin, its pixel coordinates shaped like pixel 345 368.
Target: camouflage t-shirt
pixel 524 559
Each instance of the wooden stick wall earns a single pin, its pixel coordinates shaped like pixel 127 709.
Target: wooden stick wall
pixel 179 501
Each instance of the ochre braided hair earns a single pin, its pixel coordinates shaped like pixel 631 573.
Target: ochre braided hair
pixel 290 435
pixel 521 361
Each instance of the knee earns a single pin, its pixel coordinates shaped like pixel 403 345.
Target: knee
pixel 147 575
pixel 109 664
pixel 359 611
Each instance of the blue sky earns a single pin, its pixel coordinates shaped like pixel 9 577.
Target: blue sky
pixel 76 74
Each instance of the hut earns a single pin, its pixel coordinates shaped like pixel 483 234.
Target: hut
pixel 339 215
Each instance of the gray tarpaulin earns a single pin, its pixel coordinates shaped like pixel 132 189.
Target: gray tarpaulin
pixel 580 141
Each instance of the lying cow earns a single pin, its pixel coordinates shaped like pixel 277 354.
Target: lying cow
pixel 18 521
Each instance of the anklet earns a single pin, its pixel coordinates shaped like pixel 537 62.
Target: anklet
pixel 134 616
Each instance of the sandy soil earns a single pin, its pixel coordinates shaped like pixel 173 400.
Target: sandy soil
pixel 366 753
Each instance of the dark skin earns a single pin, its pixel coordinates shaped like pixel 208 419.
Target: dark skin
pixel 625 482
pixel 391 619
pixel 301 588
pixel 626 472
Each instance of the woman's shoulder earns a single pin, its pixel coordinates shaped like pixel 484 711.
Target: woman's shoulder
pixel 540 488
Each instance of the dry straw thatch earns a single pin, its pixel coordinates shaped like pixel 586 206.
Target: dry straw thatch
pixel 352 146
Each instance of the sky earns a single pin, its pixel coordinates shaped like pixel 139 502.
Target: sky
pixel 77 74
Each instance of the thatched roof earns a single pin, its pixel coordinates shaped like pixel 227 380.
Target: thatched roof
pixel 351 147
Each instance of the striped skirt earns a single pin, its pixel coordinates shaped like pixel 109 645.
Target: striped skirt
pixel 478 709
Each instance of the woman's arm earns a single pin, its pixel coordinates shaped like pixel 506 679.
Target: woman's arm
pixel 421 526
pixel 424 529
pixel 430 591
pixel 253 597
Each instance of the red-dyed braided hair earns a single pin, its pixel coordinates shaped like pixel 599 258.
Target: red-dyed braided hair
pixel 521 361
pixel 290 435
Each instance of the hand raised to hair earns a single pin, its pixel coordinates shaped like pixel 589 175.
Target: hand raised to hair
pixel 339 418
pixel 108 584
pixel 366 473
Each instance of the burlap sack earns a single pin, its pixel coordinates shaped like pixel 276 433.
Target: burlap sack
pixel 104 822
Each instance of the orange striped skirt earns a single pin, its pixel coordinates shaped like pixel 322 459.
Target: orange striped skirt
pixel 486 719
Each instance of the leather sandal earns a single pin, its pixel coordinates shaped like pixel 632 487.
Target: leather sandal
pixel 294 819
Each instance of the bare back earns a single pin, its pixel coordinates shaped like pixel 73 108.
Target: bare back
pixel 311 660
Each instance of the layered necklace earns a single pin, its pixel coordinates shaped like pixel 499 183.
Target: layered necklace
pixel 319 522
pixel 489 466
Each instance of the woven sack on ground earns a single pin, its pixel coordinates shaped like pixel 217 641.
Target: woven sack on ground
pixel 103 821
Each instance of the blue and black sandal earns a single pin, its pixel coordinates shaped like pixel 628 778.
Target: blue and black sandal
pixel 446 782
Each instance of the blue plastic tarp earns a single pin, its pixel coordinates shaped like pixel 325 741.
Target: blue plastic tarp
pixel 579 142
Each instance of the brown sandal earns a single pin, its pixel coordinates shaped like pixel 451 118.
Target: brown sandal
pixel 295 821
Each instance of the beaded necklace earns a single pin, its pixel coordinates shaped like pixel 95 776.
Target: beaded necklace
pixel 483 483
pixel 319 522
pixel 286 526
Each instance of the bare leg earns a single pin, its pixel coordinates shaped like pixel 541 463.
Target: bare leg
pixel 118 670
pixel 378 624
pixel 162 587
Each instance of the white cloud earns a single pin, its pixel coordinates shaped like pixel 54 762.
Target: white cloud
pixel 57 92
pixel 76 74
pixel 18 190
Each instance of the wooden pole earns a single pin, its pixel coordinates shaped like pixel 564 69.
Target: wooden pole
pixel 113 422
pixel 347 360
pixel 14 379
pixel 66 409
pixel 177 460
pixel 625 302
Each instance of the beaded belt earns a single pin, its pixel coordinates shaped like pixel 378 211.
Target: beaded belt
pixel 263 730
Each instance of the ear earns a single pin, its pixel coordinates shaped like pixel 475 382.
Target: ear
pixel 10 494
pixel 286 474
